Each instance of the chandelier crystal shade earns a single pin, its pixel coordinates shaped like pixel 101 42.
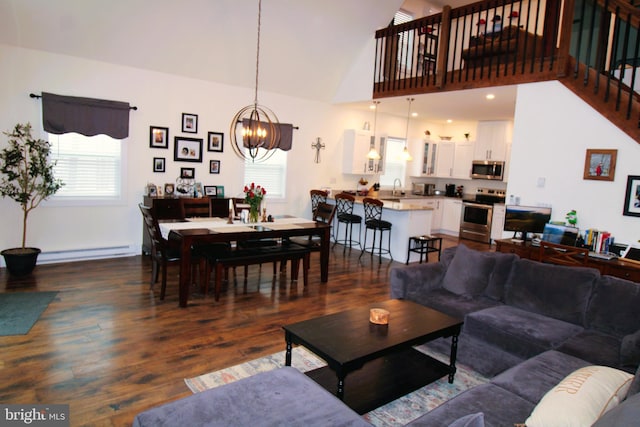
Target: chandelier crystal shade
pixel 254 130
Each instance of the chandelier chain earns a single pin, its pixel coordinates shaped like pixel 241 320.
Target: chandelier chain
pixel 255 97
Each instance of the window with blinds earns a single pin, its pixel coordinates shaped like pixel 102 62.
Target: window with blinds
pixel 90 167
pixel 270 174
pixel 394 165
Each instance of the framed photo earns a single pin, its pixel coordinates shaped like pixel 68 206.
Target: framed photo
pixel 187 173
pixel 210 190
pixel 187 149
pixel 600 165
pixel 214 166
pixel 215 141
pixel 169 189
pixel 152 190
pixel 632 197
pixel 189 123
pixel 158 137
pixel 220 190
pixel 199 190
pixel 159 164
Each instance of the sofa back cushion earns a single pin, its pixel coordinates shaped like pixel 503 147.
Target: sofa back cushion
pixel 556 291
pixel 469 272
pixel 613 309
pixel 500 274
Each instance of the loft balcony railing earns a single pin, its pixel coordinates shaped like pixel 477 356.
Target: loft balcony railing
pixel 592 46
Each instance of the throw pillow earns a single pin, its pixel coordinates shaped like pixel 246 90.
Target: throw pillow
pixel 469 272
pixel 471 420
pixel 581 398
pixel 624 415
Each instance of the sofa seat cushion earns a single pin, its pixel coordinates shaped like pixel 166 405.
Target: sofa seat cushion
pixel 518 331
pixel 454 304
pixel 624 415
pixel 500 407
pixel 596 347
pixel 533 378
pixel 284 396
pixel 556 291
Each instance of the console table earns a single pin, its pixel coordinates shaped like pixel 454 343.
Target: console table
pixel 615 267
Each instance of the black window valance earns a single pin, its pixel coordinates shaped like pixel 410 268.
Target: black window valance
pixel 284 131
pixel 86 116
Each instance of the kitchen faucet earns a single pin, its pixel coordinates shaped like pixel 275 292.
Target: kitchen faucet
pixel 397 180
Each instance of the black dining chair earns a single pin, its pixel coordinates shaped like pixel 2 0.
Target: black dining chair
pixel 324 212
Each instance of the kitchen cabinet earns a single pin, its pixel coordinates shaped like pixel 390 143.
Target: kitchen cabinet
pixel 356 146
pixel 497 221
pixel 451 213
pixel 492 140
pixel 425 156
pixel 454 159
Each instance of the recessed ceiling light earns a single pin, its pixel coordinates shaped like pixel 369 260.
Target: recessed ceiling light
pixel 449 121
pixel 372 106
pixel 490 96
pixel 414 114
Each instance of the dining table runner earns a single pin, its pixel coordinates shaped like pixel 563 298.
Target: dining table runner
pixel 220 225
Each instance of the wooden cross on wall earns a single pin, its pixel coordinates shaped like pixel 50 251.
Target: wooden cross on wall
pixel 318 145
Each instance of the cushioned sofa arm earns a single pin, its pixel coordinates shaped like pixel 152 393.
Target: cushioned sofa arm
pixel 630 350
pixel 415 278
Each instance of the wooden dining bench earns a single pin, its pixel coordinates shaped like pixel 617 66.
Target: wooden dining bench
pixel 258 255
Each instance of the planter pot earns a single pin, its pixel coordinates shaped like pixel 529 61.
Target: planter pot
pixel 19 261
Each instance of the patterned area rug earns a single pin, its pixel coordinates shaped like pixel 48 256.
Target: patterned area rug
pixel 396 413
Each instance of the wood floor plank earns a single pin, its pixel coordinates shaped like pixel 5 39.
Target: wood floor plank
pixel 110 348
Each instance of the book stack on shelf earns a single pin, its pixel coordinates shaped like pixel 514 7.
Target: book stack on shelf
pixel 598 241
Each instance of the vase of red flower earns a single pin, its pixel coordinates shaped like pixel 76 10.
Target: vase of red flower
pixel 253 195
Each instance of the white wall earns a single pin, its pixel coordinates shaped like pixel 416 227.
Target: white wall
pixel 552 131
pixel 161 99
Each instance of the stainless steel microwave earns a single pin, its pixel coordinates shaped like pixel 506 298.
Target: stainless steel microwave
pixel 487 169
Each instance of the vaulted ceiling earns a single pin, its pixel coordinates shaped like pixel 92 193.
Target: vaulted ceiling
pixel 306 46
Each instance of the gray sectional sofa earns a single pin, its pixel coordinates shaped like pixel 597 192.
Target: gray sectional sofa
pixel 537 330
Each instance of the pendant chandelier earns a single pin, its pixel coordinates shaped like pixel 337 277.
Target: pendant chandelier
pixel 405 153
pixel 373 153
pixel 254 130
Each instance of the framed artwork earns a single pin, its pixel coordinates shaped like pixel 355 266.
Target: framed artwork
pixel 215 141
pixel 187 149
pixel 159 164
pixel 632 197
pixel 210 190
pixel 220 190
pixel 198 189
pixel 169 189
pixel 189 123
pixel 158 137
pixel 187 173
pixel 214 166
pixel 600 165
pixel 152 190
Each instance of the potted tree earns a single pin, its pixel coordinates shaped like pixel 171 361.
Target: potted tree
pixel 26 177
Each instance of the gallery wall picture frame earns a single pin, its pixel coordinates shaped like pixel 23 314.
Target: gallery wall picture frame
pixel 187 173
pixel 220 190
pixel 632 196
pixel 210 190
pixel 158 137
pixel 159 164
pixel 600 165
pixel 169 189
pixel 187 149
pixel 189 123
pixel 215 142
pixel 214 166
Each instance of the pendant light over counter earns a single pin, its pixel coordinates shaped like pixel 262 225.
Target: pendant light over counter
pixel 373 153
pixel 255 127
pixel 405 153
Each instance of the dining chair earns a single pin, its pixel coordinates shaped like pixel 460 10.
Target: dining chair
pixel 324 212
pixel 162 251
pixel 555 253
pixel 317 197
pixel 345 215
pixel 191 207
pixel 373 222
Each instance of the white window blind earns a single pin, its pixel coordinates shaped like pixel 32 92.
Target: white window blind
pixel 90 167
pixel 270 174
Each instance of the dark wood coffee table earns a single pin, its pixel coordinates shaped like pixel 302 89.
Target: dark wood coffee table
pixel 379 359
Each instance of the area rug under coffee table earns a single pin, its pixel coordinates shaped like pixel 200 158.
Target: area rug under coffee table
pixel 396 413
pixel 19 311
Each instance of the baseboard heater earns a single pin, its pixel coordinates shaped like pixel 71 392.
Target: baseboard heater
pixel 51 257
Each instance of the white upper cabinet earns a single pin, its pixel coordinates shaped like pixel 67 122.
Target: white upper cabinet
pixel 355 149
pixel 492 140
pixel 454 159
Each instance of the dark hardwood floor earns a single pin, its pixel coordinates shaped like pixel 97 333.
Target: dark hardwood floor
pixel 110 348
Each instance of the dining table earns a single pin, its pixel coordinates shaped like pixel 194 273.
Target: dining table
pixel 195 231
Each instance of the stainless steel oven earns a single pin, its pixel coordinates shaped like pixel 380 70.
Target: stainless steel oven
pixel 475 221
pixel 477 214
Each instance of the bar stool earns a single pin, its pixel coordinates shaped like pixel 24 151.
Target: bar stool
pixel 373 221
pixel 424 245
pixel 345 215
